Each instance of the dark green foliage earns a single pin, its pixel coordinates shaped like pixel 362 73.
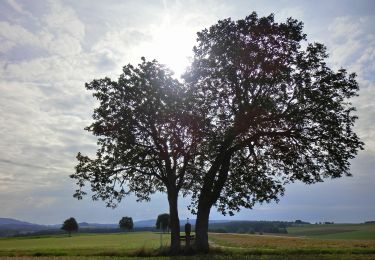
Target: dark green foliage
pixel 274 112
pixel 126 223
pixel 162 222
pixel 144 135
pixel 70 225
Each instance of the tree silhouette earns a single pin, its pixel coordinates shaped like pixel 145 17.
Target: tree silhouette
pixel 272 113
pixel 70 225
pixel 126 223
pixel 256 111
pixel 146 139
pixel 162 222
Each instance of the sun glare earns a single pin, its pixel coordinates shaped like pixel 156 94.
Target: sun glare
pixel 172 46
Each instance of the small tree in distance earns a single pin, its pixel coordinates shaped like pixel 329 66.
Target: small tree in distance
pixel 162 222
pixel 126 223
pixel 70 225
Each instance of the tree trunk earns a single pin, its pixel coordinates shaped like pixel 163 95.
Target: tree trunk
pixel 174 221
pixel 209 195
pixel 201 227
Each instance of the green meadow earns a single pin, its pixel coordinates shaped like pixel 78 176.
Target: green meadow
pixel 82 244
pixel 337 241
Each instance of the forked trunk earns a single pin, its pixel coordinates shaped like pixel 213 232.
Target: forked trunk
pixel 174 222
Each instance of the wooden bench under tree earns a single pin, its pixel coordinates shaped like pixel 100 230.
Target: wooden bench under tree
pixel 183 238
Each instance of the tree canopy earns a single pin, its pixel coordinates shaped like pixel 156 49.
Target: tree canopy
pixel 144 135
pixel 273 113
pixel 146 139
pixel 259 108
pixel 70 225
pixel 126 223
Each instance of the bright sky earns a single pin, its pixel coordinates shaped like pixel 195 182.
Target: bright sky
pixel 49 49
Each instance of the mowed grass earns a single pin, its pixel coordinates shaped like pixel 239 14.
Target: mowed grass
pixel 336 231
pixel 82 244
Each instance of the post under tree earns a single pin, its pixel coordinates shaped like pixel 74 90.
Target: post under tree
pixel 272 113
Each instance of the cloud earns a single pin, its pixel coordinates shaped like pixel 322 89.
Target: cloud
pixel 352 41
pixel 45 106
pixel 44 110
pixel 63 19
pixel 60 31
pixel 14 34
pixel 351 45
pixel 51 48
pixel 18 7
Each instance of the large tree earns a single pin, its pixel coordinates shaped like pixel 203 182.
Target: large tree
pixel 146 140
pixel 271 112
pixel 257 111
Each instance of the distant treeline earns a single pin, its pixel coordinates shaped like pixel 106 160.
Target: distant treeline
pixel 23 230
pixel 251 227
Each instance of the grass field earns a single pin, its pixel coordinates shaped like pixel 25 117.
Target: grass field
pixel 81 244
pixel 309 242
pixel 336 231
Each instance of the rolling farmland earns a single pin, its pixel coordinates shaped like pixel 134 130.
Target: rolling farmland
pixel 309 241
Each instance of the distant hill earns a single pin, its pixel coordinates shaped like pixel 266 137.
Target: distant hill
pixel 11 221
pixel 96 225
pixel 11 227
pixel 145 223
